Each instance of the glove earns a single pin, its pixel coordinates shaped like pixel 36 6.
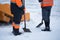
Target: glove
pixel 40 0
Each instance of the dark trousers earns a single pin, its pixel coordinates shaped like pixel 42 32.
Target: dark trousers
pixel 17 12
pixel 46 15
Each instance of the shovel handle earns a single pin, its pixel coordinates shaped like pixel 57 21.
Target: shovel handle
pixel 24 20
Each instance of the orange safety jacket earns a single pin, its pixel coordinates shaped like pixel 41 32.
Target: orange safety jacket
pixel 18 2
pixel 45 3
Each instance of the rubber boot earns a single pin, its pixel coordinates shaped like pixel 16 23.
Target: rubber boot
pixel 13 30
pixel 47 27
pixel 16 31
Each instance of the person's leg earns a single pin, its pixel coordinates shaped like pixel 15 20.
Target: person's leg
pixel 46 17
pixel 16 20
pixel 16 24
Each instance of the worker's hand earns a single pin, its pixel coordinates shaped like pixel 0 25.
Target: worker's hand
pixel 40 0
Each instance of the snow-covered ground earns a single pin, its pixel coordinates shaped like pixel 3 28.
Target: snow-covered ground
pixel 34 8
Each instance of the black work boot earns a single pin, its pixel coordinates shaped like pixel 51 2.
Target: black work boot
pixel 16 31
pixel 47 27
pixel 13 30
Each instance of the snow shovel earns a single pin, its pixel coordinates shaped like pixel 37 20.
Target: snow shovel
pixel 25 29
pixel 39 24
